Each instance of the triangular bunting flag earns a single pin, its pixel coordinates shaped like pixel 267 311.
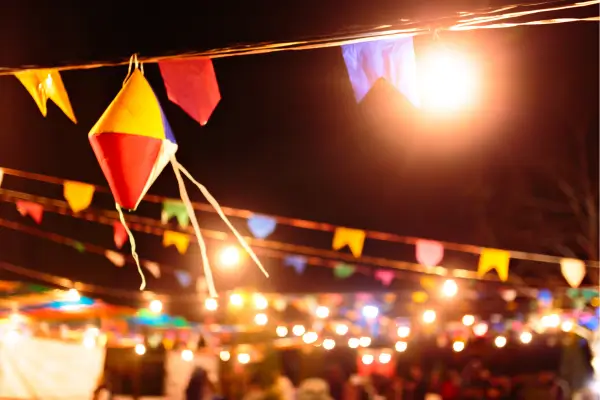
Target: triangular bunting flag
pixel 181 241
pixel 34 210
pixel 429 252
pixel 385 276
pixel 175 209
pixel 78 195
pixel 80 247
pixel 297 262
pixel 119 234
pixel 261 226
pixel 117 259
pixel 44 85
pixel 153 268
pixel 183 278
pixel 191 83
pixel 494 259
pixel 573 270
pixel 353 238
pixel 343 271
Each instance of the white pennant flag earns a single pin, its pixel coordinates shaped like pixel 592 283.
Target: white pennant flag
pixel 573 270
pixel 116 258
pixel 153 268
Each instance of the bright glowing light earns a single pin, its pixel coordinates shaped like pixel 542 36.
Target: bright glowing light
pixel 322 312
pixel 429 316
pixel 566 326
pixel 328 344
pixel 310 337
pixel 448 80
pixel 298 330
pixel 261 319
pixel 500 341
pixel 353 343
pixel 450 288
pixel 230 256
pixel 341 329
pixel 236 300
pixel 364 341
pixel 281 331
pixel 260 302
pixel 370 312
pixel 480 329
pixel 224 355
pixel 526 337
pixel 468 320
pixel 187 355
pixel 156 306
pixel 140 349
pixel 73 295
pixel 368 359
pixel 385 358
pixel 403 332
pixel 551 321
pixel 401 346
pixel 243 358
pixel 458 346
pixel 11 337
pixel 211 304
pixel 89 342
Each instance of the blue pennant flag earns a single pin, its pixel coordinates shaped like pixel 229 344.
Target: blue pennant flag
pixel 183 278
pixel 261 226
pixel 296 262
pixel 391 59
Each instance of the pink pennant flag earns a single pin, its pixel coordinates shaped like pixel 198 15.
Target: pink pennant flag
pixel 34 210
pixel 429 252
pixel 119 234
pixel 192 84
pixel 385 276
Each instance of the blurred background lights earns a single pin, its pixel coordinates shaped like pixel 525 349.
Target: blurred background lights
pixel 353 343
pixel 73 295
pixel 224 355
pixel 468 320
pixel 368 359
pixel 480 329
pixel 140 349
pixel 525 337
pixel 243 358
pixel 429 316
pixel 403 332
pixel 500 341
pixel 364 341
pixel 401 346
pixel 341 329
pixel 230 256
pixel 281 331
pixel 298 330
pixel 310 337
pixel 450 288
pixel 370 312
pixel 458 346
pixel 328 344
pixel 11 337
pixel 260 302
pixel 566 326
pixel 261 319
pixel 156 306
pixel 187 355
pixel 551 321
pixel 385 358
pixel 322 312
pixel 236 300
pixel 211 304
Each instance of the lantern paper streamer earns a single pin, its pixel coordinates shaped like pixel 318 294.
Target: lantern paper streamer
pixel 429 252
pixel 78 195
pixel 192 84
pixel 133 143
pixel 353 238
pixel 261 226
pixel 573 270
pixel 44 85
pixel 494 259
pixel 391 59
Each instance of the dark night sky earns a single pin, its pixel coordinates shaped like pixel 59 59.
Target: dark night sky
pixel 287 137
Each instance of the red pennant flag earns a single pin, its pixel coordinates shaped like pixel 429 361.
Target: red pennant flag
pixel 192 85
pixel 429 252
pixel 34 210
pixel 119 234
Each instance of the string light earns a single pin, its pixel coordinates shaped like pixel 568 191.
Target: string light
pixel 224 355
pixel 450 288
pixel 243 358
pixel 429 316
pixel 187 355
pixel 525 337
pixel 328 344
pixel 468 320
pixel 230 256
pixel 353 343
pixel 368 359
pixel 401 346
pixel 385 358
pixel 73 295
pixel 211 304
pixel 500 341
pixel 480 329
pixel 310 337
pixel 403 332
pixel 458 346
pixel 281 331
pixel 551 321
pixel 155 306
pixel 298 330
pixel 261 319
pixel 260 302
pixel 236 300
pixel 370 312
pixel 322 312
pixel 341 329
pixel 365 341
pixel 140 349
pixel 567 326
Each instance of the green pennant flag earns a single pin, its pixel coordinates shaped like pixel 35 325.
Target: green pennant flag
pixel 79 247
pixel 175 209
pixel 343 271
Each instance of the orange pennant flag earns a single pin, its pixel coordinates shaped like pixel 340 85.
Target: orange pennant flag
pixel 353 238
pixel 44 85
pixel 181 241
pixel 78 195
pixel 494 259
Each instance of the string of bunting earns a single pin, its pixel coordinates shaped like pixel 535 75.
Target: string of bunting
pixel 429 253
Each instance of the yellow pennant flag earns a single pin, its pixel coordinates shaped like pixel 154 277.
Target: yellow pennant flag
pixel 181 241
pixel 44 85
pixel 494 259
pixel 78 195
pixel 353 238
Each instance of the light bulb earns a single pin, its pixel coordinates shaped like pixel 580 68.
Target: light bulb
pixel 187 355
pixel 353 343
pixel 480 329
pixel 224 355
pixel 322 312
pixel 401 346
pixel 385 358
pixel 458 346
pixel 73 295
pixel 450 288
pixel 341 329
pixel 328 344
pixel 281 331
pixel 298 330
pixel 526 337
pixel 261 319
pixel 140 349
pixel 230 256
pixel 310 337
pixel 403 332
pixel 156 306
pixel 89 342
pixel 468 320
pixel 368 359
pixel 236 300
pixel 260 302
pixel 500 341
pixel 211 304
pixel 370 312
pixel 365 341
pixel 429 316
pixel 243 358
pixel 566 326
